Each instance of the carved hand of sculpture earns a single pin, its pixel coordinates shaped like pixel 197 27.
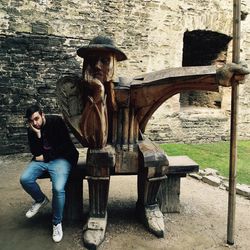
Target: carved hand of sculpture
pixel 230 73
pixel 93 123
pixel 95 86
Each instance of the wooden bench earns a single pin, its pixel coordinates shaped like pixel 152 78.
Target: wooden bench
pixel 168 196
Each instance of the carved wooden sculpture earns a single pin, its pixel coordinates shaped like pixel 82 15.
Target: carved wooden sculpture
pixel 109 117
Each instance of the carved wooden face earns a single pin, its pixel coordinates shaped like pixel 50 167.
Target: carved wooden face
pixel 99 65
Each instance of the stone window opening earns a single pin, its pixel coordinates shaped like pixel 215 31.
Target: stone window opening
pixel 201 48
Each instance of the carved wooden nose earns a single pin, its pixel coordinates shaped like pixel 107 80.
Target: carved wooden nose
pixel 98 63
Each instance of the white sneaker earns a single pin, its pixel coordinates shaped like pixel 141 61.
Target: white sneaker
pixel 57 232
pixel 35 207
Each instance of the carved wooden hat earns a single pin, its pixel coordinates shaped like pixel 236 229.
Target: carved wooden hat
pixel 104 44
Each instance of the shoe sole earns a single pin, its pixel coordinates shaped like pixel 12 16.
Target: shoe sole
pixel 43 205
pixel 56 241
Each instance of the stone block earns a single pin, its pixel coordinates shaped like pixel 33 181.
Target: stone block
pixel 39 28
pixel 243 189
pixel 210 171
pixel 195 176
pixel 212 180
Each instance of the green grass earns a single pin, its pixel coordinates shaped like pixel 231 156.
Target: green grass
pixel 215 155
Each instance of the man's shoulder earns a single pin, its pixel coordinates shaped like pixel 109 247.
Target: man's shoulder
pixel 54 120
pixel 50 118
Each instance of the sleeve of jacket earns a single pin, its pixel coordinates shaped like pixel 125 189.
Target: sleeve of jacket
pixel 64 146
pixel 35 143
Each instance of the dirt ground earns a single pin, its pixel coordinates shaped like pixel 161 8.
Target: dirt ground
pixel 201 224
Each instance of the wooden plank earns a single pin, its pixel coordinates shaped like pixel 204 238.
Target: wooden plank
pixel 122 95
pixel 103 156
pixel 168 196
pixel 162 76
pixel 125 129
pixel 182 165
pixel 119 130
pixel 131 129
pixel 126 163
pixel 178 165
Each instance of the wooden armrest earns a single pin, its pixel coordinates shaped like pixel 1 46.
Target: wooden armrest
pixel 152 154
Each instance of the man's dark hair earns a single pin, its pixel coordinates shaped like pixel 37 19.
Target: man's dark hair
pixel 32 109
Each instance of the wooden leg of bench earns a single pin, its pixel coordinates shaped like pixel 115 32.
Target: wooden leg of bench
pixel 169 195
pixel 73 209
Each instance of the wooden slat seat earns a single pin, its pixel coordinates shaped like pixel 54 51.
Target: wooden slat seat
pixel 168 196
pixel 182 165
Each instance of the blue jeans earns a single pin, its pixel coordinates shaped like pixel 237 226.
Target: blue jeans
pixel 58 170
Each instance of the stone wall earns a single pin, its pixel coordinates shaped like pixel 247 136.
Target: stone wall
pixel 38 42
pixel 31 64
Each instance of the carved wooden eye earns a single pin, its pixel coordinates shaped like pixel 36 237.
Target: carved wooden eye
pixel 93 59
pixel 105 60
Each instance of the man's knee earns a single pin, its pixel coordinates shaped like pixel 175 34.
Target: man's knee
pixel 31 173
pixel 25 179
pixel 58 184
pixel 60 167
pixel 58 189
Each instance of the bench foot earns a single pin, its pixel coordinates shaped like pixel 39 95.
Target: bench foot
pixel 169 195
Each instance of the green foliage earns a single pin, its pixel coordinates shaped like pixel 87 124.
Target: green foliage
pixel 215 155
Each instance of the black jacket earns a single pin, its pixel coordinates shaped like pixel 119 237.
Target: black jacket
pixel 58 138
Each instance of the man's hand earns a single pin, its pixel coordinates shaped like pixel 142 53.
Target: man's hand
pixel 230 73
pixel 37 131
pixel 39 158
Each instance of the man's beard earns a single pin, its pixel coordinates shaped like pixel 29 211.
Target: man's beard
pixel 42 124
